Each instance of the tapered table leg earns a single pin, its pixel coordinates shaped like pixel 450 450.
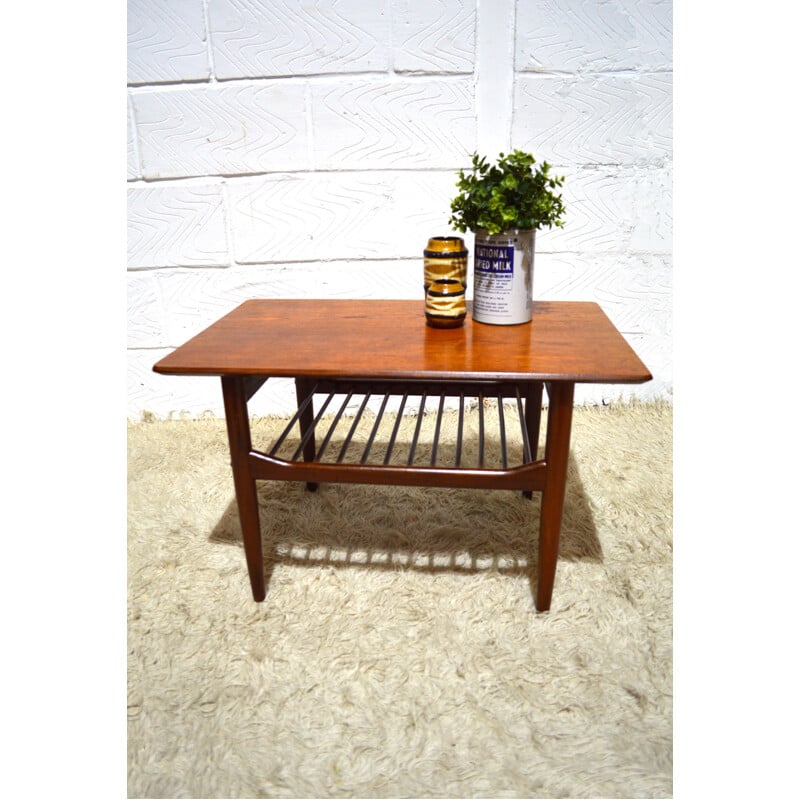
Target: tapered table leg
pixel 302 389
pixel 238 422
pixel 556 455
pixel 533 419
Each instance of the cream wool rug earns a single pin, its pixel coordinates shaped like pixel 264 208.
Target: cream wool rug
pixel 398 653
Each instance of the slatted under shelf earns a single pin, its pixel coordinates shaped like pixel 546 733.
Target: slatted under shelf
pixel 453 426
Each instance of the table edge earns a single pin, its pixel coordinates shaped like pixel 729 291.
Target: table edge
pixel 377 375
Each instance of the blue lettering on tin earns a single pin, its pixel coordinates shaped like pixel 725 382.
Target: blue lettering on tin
pixel 499 260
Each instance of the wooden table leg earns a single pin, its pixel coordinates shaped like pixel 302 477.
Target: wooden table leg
pixel 533 415
pixel 303 388
pixel 238 421
pixel 533 419
pixel 556 455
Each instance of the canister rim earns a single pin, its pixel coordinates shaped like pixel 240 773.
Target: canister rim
pixel 445 254
pixel 445 247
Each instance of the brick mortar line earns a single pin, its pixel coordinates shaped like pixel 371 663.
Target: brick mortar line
pixel 391 76
pixel 221 179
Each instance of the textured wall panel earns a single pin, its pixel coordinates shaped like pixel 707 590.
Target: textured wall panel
pixel 285 37
pixel 605 119
pixel 634 290
pixel 360 125
pixel 652 207
pixel 436 36
pixel 176 225
pixel 194 299
pixel 422 202
pixel 222 130
pixel 614 210
pixel 585 35
pixel 636 293
pixel 166 41
pixel 146 323
pixel 338 216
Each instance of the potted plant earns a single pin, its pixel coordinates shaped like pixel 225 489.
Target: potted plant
pixel 504 204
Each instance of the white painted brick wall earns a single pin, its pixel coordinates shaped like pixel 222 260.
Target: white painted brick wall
pixel 330 216
pixel 287 149
pixel 176 225
pixel 265 38
pixel 578 36
pixel 167 41
pixel 222 129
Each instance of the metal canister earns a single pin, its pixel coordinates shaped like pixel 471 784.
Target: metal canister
pixel 445 259
pixel 503 290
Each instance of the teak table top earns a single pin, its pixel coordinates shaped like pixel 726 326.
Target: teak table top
pixel 388 339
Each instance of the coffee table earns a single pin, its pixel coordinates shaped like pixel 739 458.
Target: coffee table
pixel 381 349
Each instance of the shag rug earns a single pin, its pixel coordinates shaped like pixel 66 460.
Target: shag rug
pixel 398 652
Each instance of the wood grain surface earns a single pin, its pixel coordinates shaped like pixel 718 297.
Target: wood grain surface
pixel 565 341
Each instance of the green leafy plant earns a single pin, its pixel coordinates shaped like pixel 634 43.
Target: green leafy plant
pixel 509 194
